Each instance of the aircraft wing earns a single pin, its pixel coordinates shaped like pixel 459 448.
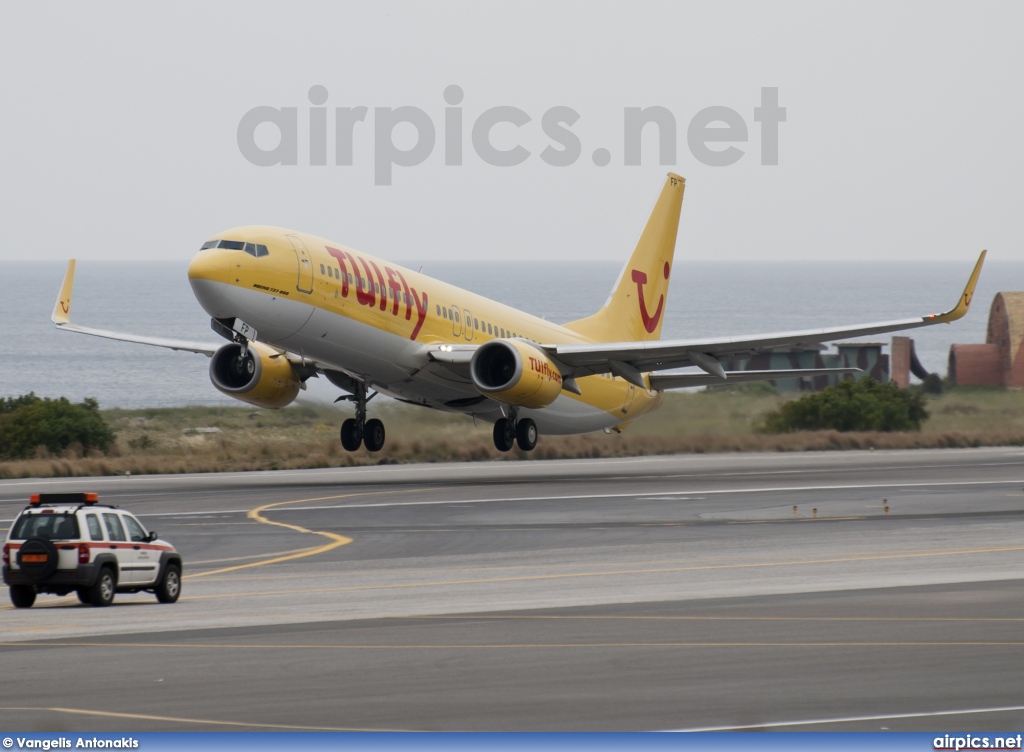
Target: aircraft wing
pixel 630 359
pixel 172 344
pixel 662 381
pixel 61 317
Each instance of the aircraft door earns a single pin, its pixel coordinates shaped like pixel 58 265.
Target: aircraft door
pixel 302 257
pixel 456 319
pixel 468 324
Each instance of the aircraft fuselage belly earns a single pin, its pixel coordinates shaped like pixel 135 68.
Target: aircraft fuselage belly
pixel 392 364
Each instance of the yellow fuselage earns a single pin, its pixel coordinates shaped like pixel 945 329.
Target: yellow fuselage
pixel 362 315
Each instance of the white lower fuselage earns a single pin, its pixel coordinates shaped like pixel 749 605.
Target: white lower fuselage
pixel 389 363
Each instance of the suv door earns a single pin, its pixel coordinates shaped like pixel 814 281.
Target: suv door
pixel 92 524
pixel 144 570
pixel 120 547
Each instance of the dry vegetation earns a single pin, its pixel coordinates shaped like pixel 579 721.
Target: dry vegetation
pixel 195 439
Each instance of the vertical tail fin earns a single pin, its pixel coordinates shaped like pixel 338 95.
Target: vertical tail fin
pixel 636 307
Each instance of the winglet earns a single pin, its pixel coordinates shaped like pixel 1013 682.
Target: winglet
pixel 965 300
pixel 62 308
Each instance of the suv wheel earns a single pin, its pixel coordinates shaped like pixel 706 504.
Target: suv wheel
pixel 23 596
pixel 102 591
pixel 169 587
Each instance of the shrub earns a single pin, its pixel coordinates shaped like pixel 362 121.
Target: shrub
pixel 28 422
pixel 142 442
pixel 933 384
pixel 862 405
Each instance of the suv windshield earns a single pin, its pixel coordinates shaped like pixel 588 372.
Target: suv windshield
pixel 52 526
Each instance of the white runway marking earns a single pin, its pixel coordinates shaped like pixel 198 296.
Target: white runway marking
pixel 662 495
pixel 852 719
pixel 486 469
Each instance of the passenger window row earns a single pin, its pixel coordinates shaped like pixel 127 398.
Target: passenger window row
pixel 364 284
pixel 480 326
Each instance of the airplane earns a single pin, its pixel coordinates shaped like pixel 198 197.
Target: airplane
pixel 293 306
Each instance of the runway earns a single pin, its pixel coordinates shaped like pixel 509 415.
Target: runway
pixel 825 591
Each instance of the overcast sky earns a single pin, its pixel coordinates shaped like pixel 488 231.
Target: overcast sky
pixel 119 127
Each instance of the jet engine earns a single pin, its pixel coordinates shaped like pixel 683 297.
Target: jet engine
pixel 515 373
pixel 263 377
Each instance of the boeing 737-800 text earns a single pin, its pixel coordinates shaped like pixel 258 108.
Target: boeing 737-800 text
pixel 293 306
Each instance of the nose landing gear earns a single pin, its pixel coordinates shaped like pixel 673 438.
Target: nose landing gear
pixel 512 430
pixel 358 431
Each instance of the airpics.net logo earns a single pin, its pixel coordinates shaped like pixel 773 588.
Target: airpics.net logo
pixel 407 136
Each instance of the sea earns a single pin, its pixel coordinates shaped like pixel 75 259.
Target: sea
pixel 705 299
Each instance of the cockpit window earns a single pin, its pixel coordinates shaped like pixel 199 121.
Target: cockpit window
pixel 253 249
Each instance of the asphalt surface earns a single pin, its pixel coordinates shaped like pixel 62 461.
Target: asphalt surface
pixel 827 591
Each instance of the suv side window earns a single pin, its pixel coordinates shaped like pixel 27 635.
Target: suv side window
pixel 114 527
pixel 95 531
pixel 135 531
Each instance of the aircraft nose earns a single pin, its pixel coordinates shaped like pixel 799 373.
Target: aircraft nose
pixel 210 265
pixel 208 274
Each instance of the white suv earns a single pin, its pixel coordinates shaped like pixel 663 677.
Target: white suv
pixel 69 542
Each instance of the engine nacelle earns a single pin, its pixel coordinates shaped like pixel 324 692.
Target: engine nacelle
pixel 262 378
pixel 515 373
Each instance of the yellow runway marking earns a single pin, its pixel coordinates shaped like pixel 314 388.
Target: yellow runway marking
pixel 62 602
pixel 614 617
pixel 620 572
pixel 43 629
pixel 172 719
pixel 244 558
pixel 640 562
pixel 257 515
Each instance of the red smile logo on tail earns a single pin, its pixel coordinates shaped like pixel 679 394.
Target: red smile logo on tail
pixel 650 322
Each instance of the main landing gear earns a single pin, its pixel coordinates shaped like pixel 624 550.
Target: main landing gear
pixel 359 431
pixel 512 430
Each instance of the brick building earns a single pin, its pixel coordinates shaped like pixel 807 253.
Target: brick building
pixel 1000 361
